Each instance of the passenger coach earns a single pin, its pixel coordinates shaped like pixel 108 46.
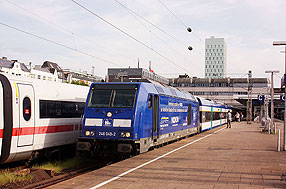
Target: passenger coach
pixel 134 117
pixel 211 114
pixel 37 115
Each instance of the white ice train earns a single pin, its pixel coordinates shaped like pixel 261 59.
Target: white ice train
pixel 37 115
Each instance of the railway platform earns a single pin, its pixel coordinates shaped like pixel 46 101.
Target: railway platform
pixel 239 157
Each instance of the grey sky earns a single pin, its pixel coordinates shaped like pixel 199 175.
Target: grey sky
pixel 248 26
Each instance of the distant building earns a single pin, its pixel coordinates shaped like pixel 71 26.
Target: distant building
pixel 38 72
pixel 13 67
pixel 215 57
pixel 230 91
pixel 48 71
pixel 133 75
pixel 71 76
pixel 54 68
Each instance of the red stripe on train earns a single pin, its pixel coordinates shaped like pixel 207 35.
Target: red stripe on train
pixel 40 130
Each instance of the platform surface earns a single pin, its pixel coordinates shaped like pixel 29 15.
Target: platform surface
pixel 239 157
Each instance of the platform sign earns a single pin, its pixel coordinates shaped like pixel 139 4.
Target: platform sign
pixel 261 98
pixel 282 98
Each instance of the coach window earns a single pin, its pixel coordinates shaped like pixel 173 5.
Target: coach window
pixel 60 109
pixel 207 116
pixel 222 115
pixel 27 108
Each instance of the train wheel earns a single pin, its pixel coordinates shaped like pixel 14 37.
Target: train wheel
pixel 135 149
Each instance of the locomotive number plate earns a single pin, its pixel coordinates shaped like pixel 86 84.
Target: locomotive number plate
pixel 111 134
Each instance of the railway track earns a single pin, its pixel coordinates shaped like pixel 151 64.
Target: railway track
pixel 44 178
pixel 60 178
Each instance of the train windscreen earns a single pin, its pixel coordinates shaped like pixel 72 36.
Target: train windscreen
pixel 100 98
pixel 115 96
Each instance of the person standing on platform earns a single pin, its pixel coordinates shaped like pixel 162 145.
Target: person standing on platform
pixel 228 119
pixel 241 116
pixel 237 117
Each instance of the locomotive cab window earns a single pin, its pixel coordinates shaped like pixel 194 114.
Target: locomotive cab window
pixel 27 108
pixel 115 96
pixel 99 98
pixel 124 98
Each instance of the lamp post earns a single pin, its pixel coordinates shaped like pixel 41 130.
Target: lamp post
pixel 92 70
pixel 278 43
pixel 249 98
pixel 272 97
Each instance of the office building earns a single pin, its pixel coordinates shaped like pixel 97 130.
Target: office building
pixel 215 57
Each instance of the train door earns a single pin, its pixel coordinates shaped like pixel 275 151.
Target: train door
pixel 193 115
pixel 155 120
pixel 198 115
pixel 212 117
pixel 26 116
pixel 220 116
pixel 1 116
pixel 189 114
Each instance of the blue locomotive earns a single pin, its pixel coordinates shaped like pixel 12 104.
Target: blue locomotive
pixel 131 118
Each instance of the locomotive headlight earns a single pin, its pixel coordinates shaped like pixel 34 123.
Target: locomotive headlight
pixel 127 134
pixel 109 114
pixel 87 133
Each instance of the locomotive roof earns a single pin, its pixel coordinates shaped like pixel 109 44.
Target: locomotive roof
pixel 171 91
pixel 155 87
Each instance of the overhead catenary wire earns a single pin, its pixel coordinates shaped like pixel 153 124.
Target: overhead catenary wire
pixel 186 26
pixel 40 17
pixel 179 20
pixel 134 14
pixel 171 36
pixel 277 74
pixel 160 29
pixel 59 44
pixel 234 66
pixel 62 28
pixel 237 85
pixel 59 27
pixel 125 33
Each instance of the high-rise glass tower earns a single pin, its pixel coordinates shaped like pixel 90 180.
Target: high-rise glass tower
pixel 215 54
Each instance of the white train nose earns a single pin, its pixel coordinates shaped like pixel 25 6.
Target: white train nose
pixel 38 114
